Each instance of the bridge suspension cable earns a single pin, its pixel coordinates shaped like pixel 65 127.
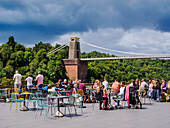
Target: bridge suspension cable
pixel 132 53
pixel 57 49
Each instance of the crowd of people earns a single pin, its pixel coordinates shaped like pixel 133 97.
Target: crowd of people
pixel 154 89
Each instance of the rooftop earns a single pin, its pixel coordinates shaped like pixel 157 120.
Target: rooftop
pixel 153 116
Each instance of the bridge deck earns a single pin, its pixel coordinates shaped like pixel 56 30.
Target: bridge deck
pixel 122 58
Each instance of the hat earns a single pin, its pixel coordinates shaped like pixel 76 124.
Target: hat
pixel 65 79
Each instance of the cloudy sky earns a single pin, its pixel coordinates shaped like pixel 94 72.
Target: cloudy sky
pixel 141 26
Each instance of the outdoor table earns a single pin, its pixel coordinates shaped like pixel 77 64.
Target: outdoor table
pixel 33 89
pixel 69 91
pixel 25 108
pixel 58 113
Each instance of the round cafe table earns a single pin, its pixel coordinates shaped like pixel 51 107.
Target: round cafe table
pixel 25 108
pixel 58 112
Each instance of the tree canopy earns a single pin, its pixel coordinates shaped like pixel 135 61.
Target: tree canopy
pixel 126 70
pixel 15 56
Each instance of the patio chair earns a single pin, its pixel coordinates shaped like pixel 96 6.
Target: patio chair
pixel 81 92
pixel 3 93
pixel 119 99
pixel 72 102
pixel 78 101
pixel 43 105
pixel 15 98
pixel 31 99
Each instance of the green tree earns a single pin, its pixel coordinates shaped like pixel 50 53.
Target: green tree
pixel 19 47
pixel 5 53
pixel 11 42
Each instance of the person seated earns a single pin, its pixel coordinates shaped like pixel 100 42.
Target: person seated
pixel 52 89
pixel 45 89
pixel 96 84
pixel 119 94
pixel 122 88
pixel 83 87
pixel 115 87
pixel 76 86
pixel 100 89
pixel 57 88
pixel 70 85
pixel 64 84
pixel 105 94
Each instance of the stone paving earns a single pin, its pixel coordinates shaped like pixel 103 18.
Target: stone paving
pixel 151 116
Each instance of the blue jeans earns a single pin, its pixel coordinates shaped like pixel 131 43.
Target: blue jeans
pixel 157 94
pixel 17 86
pixel 29 87
pixel 39 86
pixel 153 94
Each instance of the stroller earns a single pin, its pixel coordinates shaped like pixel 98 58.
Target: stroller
pixel 134 98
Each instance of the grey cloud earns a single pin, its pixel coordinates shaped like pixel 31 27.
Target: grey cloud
pixel 90 14
pixel 146 41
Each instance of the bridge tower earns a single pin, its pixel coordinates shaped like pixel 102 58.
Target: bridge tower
pixel 76 69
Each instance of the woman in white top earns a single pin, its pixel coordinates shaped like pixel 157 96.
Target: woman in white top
pixel 29 82
pixel 122 88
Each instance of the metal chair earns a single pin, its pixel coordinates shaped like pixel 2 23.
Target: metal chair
pixel 43 105
pixel 81 92
pixel 15 98
pixel 70 103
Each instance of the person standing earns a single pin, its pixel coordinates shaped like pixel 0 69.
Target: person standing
pixel 29 82
pixel 18 80
pixel 39 80
pixel 105 83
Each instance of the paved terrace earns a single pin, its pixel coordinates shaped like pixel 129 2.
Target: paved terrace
pixel 151 116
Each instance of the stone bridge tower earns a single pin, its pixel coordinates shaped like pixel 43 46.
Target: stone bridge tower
pixel 76 69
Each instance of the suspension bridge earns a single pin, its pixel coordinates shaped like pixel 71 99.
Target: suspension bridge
pixel 76 66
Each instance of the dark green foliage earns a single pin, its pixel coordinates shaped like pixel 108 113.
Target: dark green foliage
pixel 15 56
pixel 20 47
pixel 126 70
pixel 11 42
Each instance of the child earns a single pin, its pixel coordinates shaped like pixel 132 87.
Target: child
pixel 105 95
